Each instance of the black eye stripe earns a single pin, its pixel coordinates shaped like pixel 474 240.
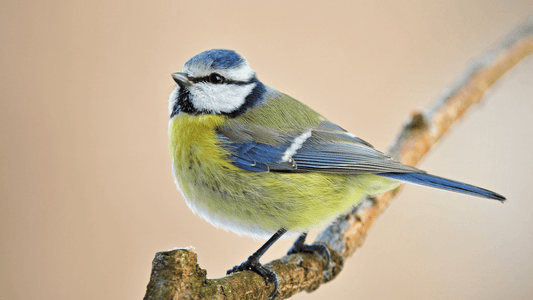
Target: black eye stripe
pixel 226 80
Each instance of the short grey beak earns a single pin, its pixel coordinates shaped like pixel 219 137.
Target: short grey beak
pixel 182 79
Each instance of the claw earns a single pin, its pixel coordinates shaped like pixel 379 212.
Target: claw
pixel 254 265
pixel 300 247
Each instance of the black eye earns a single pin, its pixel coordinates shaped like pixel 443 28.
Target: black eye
pixel 216 79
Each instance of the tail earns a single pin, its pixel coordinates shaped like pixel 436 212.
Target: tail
pixel 445 184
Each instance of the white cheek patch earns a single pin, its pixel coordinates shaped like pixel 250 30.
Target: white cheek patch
pixel 172 99
pixel 296 144
pixel 220 98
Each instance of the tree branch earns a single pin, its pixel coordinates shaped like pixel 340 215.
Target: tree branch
pixel 176 274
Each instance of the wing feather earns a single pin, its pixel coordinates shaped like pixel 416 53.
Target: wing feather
pixel 329 149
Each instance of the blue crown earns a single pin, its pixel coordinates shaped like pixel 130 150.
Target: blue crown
pixel 217 59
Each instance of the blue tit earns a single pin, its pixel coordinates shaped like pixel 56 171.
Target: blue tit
pixel 253 160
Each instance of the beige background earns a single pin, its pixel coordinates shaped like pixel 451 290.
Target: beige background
pixel 87 195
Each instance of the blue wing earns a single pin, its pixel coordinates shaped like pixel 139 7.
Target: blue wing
pixel 326 148
pixel 257 157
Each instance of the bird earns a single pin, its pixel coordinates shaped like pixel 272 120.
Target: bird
pixel 250 159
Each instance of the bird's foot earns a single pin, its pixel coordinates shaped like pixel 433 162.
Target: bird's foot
pixel 299 246
pixel 254 265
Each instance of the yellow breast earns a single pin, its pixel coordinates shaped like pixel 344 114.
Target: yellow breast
pixel 193 139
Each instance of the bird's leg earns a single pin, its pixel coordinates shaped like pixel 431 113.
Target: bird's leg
pixel 300 247
pixel 253 264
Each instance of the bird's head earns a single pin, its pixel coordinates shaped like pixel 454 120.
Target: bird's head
pixel 216 81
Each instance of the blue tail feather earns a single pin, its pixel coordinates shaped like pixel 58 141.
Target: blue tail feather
pixel 442 183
